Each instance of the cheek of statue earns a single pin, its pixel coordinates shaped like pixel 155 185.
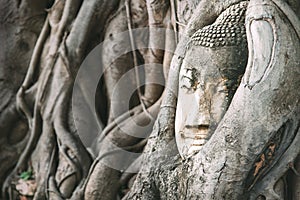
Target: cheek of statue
pixel 202 101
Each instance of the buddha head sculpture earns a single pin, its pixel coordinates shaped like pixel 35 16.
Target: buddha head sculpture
pixel 209 76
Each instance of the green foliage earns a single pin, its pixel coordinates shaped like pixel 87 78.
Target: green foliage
pixel 26 175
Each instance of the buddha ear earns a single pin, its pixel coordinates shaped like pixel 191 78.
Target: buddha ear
pixel 263 37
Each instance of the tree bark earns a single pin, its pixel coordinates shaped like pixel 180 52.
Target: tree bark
pixel 118 140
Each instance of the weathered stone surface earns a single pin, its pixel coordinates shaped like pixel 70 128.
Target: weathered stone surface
pixel 228 29
pixel 261 121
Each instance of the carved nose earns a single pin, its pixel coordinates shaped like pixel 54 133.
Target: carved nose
pixel 200 121
pixel 199 116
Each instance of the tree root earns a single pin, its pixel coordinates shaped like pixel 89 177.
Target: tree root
pixel 133 47
pixel 265 186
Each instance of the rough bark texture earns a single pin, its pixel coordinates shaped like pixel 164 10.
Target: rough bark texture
pixel 20 26
pixel 65 141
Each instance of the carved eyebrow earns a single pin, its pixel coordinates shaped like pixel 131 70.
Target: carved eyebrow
pixel 190 69
pixel 189 89
pixel 188 77
pixel 185 87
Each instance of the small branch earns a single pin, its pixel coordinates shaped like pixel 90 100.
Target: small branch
pixel 76 166
pixel 120 119
pixel 53 189
pixel 51 163
pixel 37 51
pixel 21 104
pixel 174 19
pixel 292 167
pixel 64 56
pixel 35 134
pixel 133 48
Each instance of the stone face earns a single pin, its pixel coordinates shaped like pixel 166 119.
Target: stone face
pixel 209 76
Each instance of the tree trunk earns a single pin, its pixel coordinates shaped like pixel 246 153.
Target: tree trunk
pixel 93 92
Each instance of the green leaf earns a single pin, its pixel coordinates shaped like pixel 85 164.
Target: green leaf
pixel 26 175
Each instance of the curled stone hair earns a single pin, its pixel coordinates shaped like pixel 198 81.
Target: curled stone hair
pixel 227 30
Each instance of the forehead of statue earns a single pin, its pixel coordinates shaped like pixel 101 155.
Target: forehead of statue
pixel 226 60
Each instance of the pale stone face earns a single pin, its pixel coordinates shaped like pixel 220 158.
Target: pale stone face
pixel 203 94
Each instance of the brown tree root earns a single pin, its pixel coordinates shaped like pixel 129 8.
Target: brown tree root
pixel 265 187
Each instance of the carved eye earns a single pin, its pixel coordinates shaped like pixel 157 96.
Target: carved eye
pixel 190 80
